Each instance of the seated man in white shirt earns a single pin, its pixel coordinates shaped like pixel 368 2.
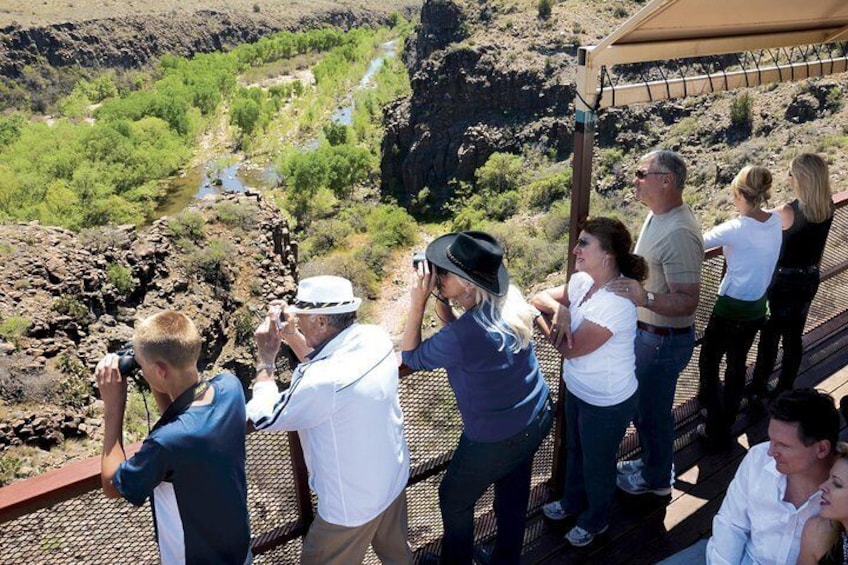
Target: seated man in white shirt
pixel 776 488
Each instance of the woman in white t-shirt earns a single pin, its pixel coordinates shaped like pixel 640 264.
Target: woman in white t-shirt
pixel 594 330
pixel 751 246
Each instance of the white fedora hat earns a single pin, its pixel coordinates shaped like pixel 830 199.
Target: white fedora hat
pixel 324 294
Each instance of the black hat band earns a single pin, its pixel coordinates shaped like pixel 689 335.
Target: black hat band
pixel 488 277
pixel 300 304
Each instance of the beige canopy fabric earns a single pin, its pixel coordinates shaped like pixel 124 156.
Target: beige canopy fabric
pixel 707 27
pixel 792 32
pixel 680 29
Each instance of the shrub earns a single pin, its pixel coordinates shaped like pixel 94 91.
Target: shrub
pixel 13 329
pixel 121 278
pixel 484 206
pixel 73 308
pixel 211 262
pixel 502 172
pixel 349 266
pixel 75 388
pixel 391 226
pixel 240 215
pixel 187 225
pixel 555 224
pixel 336 134
pixel 102 238
pixel 137 419
pixel 256 8
pixel 542 193
pixel 374 257
pixel 742 111
pixel 243 325
pixel 833 98
pixel 324 236
pixel 530 258
pixel 544 7
pixel 11 468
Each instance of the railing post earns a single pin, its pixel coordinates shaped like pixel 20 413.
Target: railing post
pixel 301 481
pixel 585 119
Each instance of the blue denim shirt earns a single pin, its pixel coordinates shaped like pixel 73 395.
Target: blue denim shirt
pixel 498 393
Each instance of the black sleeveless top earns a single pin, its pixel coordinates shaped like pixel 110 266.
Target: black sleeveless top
pixel 803 242
pixel 837 553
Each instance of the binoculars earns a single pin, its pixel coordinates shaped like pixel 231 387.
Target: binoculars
pixel 127 364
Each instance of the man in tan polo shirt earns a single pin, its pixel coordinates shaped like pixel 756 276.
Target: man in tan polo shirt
pixel 671 243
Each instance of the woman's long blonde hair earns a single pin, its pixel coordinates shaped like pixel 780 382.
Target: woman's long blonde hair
pixel 509 317
pixel 812 186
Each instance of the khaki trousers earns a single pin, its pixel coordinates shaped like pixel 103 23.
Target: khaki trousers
pixel 329 544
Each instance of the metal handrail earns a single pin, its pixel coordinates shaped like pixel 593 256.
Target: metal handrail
pixel 74 479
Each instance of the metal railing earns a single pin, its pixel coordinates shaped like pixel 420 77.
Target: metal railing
pixel 62 517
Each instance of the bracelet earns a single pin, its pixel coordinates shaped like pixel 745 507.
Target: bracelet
pixel 270 367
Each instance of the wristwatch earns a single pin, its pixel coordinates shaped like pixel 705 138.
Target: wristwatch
pixel 651 299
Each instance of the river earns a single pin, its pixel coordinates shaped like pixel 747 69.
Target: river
pixel 230 174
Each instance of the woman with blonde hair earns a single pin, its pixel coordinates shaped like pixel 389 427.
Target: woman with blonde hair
pixel 823 540
pixel 488 352
pixel 806 224
pixel 751 244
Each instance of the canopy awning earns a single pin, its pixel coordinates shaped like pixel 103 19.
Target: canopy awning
pixel 779 40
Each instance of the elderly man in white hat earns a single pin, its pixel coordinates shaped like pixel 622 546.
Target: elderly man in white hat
pixel 343 402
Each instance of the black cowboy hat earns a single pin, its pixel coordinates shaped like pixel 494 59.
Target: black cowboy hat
pixel 473 255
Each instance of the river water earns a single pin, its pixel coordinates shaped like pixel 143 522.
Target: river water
pixel 235 175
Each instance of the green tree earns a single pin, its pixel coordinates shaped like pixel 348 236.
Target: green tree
pixel 336 134
pixel 245 115
pixel 502 172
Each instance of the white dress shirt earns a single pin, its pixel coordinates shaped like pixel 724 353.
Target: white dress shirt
pixel 344 406
pixel 755 524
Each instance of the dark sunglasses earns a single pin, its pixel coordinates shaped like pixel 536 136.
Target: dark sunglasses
pixel 640 174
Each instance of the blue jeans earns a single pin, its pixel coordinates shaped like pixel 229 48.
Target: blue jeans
pixel 593 434
pixel 475 465
pixel 659 360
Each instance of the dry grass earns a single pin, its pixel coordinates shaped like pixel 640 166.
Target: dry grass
pixel 29 13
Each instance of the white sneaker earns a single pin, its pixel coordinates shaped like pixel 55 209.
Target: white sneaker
pixel 635 484
pixel 629 466
pixel 578 537
pixel 554 511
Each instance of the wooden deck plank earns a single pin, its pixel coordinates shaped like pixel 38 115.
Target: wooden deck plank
pixel 647 529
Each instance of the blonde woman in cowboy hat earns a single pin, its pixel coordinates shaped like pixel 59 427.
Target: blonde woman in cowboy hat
pixel 487 350
pixel 594 329
pixel 343 402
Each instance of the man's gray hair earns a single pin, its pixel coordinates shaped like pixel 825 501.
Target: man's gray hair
pixel 671 162
pixel 341 321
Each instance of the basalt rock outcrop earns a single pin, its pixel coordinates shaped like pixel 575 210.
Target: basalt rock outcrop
pixel 67 299
pixel 471 98
pixel 131 41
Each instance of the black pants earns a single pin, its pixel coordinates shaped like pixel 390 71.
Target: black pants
pixel 733 339
pixel 789 304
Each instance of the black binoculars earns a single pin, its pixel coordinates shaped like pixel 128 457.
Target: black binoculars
pixel 127 364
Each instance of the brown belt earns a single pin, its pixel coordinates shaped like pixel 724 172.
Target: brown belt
pixel 663 330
